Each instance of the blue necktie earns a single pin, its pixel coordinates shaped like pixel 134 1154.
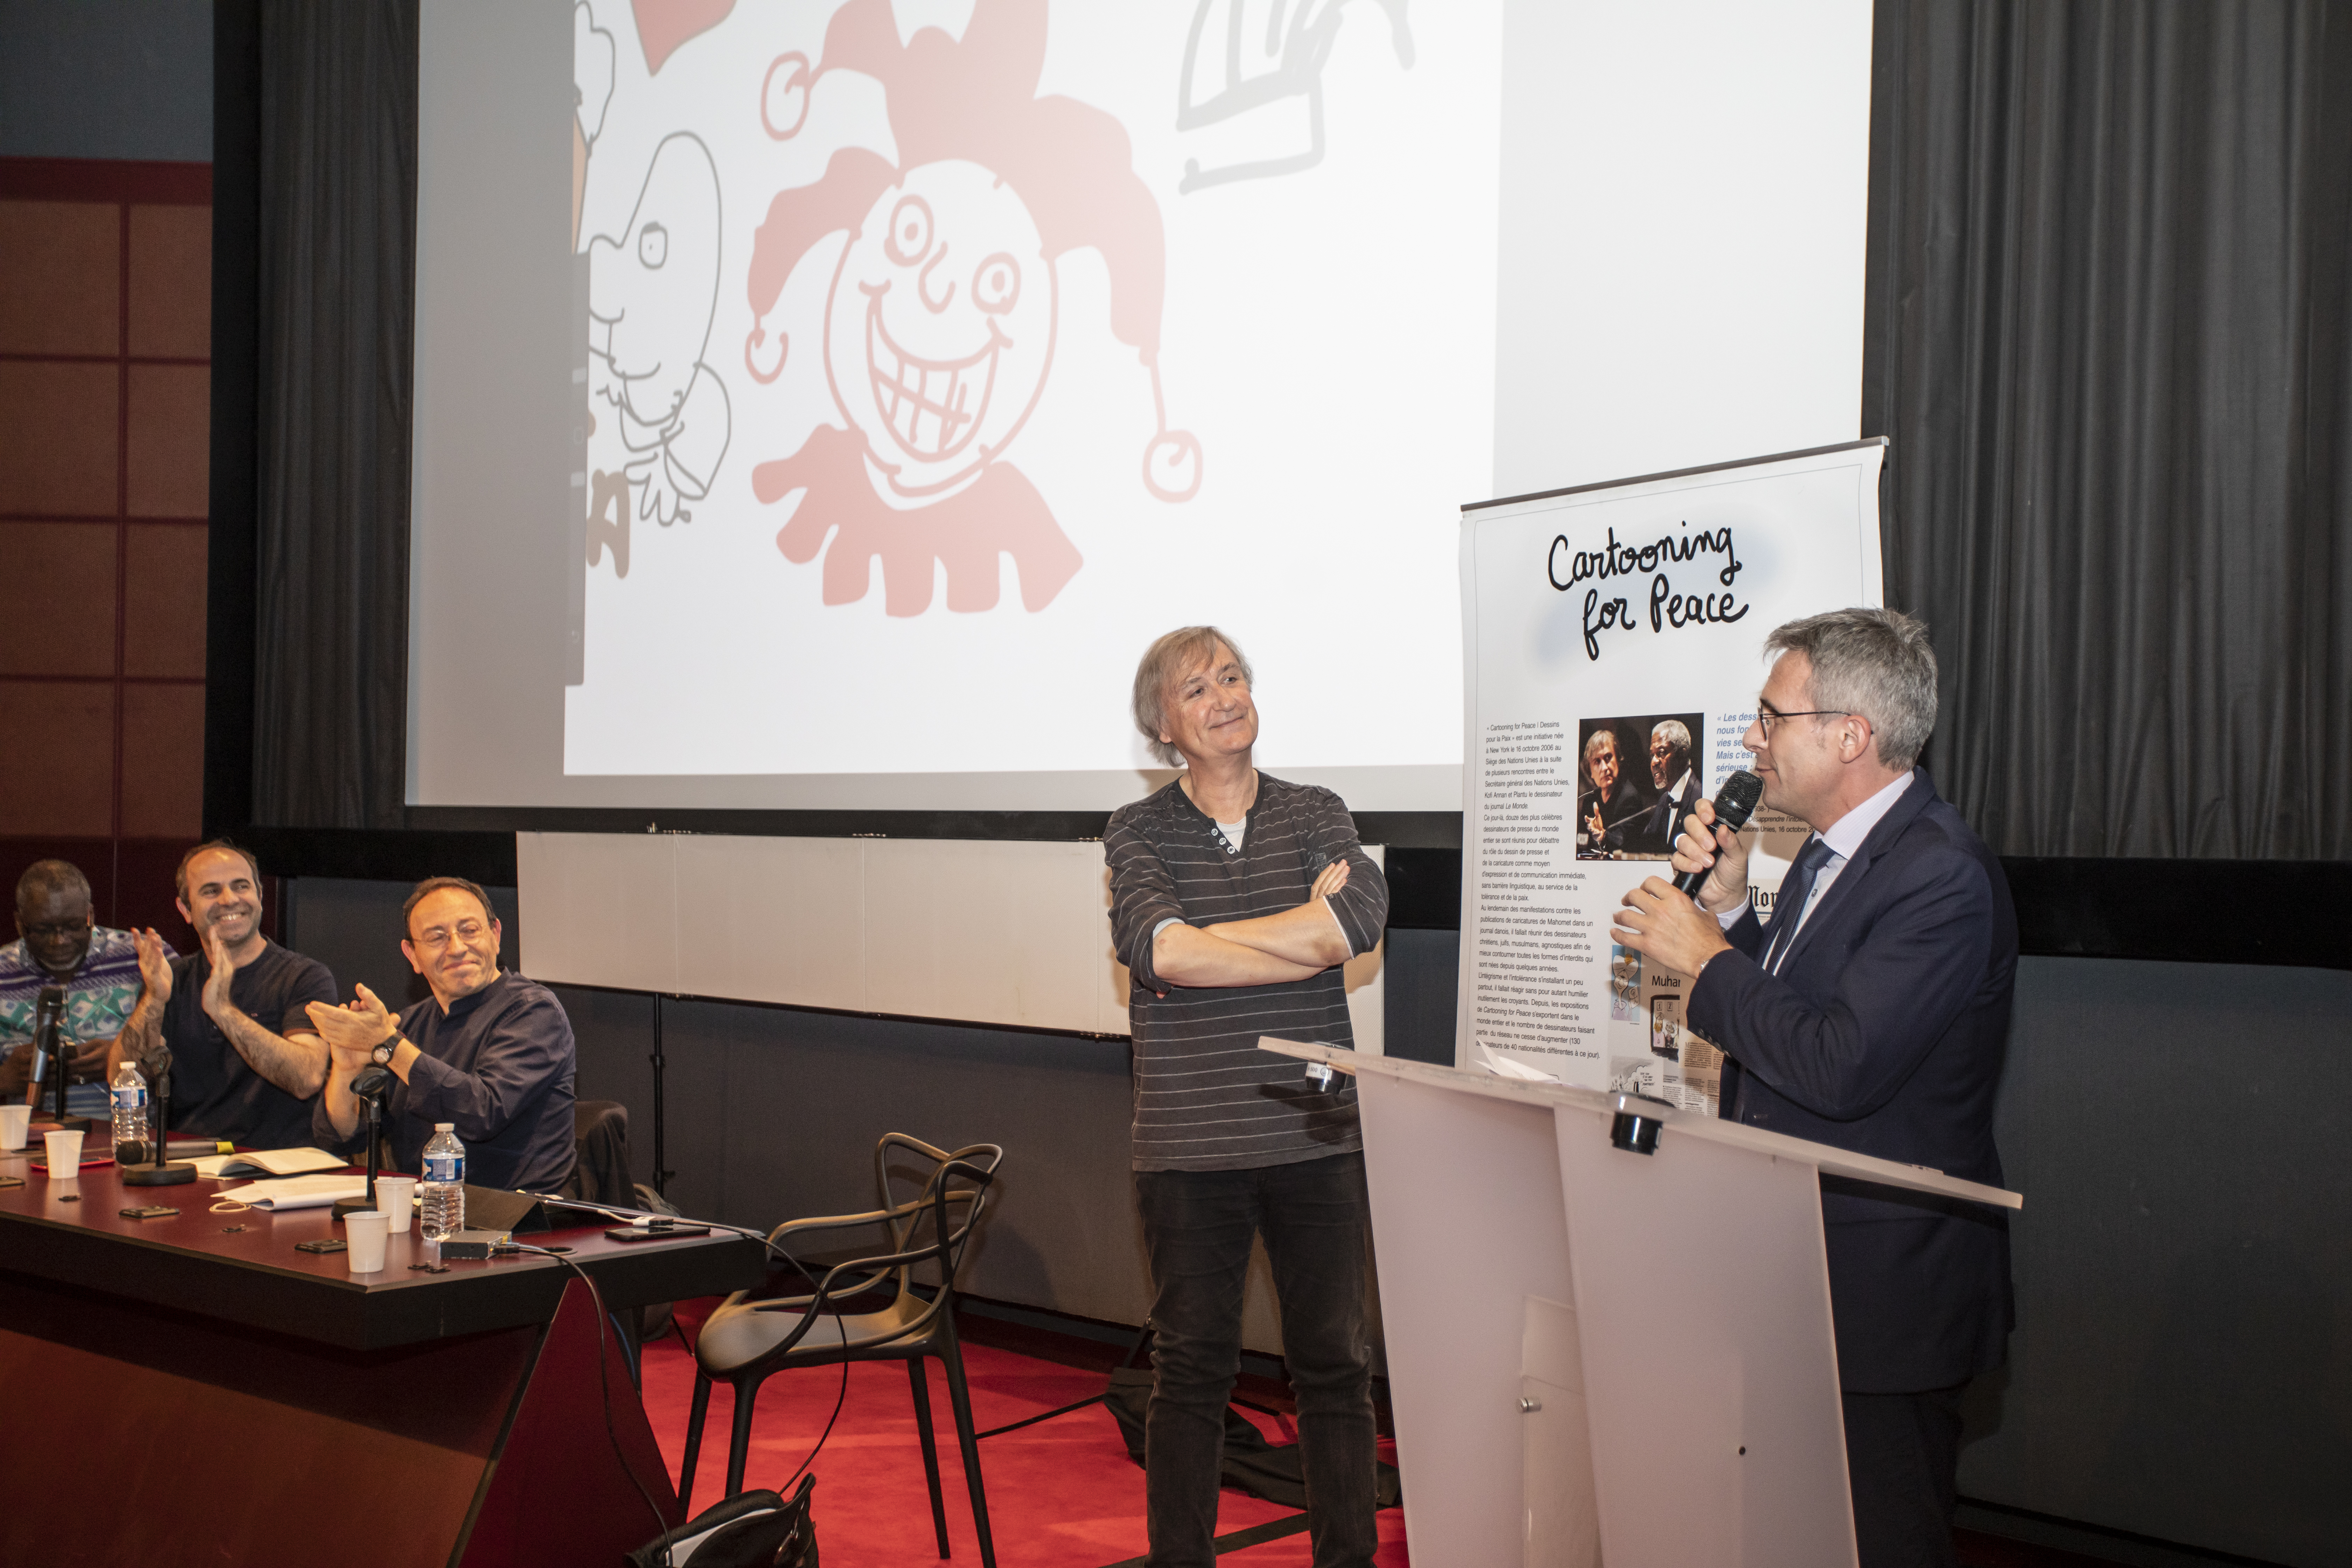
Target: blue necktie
pixel 1788 909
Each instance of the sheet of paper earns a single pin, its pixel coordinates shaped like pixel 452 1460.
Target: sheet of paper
pixel 298 1193
pixel 1504 1066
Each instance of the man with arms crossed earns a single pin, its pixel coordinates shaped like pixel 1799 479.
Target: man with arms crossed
pixel 246 1062
pixel 489 1052
pixel 57 943
pixel 1871 1012
pixel 1234 898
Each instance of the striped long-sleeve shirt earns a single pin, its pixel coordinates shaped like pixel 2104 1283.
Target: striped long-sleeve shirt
pixel 1206 1099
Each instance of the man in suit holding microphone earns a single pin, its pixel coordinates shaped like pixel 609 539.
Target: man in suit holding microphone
pixel 1871 1012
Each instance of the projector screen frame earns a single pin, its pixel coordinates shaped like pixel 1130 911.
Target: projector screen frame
pixel 1412 829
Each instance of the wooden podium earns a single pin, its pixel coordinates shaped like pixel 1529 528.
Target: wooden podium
pixel 1598 1354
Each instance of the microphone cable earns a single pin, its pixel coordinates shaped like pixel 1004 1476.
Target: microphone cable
pixel 604 1387
pixel 612 1211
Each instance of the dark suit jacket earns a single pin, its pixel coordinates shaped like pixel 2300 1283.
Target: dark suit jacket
pixel 1656 831
pixel 1884 1033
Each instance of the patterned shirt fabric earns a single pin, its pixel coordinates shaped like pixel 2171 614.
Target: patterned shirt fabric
pixel 99 1000
pixel 1206 1099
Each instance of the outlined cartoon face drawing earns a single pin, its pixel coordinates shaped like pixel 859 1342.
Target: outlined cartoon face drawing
pixel 940 330
pixel 652 290
pixel 651 293
pixel 943 312
pixel 592 93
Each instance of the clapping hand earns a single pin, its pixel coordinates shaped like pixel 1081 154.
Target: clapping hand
pixel 222 970
pixel 354 1029
pixel 154 968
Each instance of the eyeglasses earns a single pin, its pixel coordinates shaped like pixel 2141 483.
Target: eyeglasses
pixel 1765 722
pixel 468 933
pixel 58 932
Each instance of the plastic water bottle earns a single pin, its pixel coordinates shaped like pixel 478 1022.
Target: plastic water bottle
pixel 441 1210
pixel 130 1094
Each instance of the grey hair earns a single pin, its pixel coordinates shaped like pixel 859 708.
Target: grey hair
pixel 42 878
pixel 1163 661
pixel 1592 742
pixel 1676 734
pixel 1875 663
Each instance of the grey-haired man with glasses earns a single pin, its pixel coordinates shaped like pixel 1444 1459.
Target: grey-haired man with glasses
pixel 1870 1010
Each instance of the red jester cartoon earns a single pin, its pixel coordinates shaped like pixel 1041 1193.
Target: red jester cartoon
pixel 940 321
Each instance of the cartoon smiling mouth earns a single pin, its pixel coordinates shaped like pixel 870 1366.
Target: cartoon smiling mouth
pixel 933 407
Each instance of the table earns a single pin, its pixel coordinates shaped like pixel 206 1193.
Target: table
pixel 194 1387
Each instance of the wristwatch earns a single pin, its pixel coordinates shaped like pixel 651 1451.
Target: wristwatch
pixel 382 1055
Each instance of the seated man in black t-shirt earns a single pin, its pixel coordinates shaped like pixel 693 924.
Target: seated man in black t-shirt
pixel 247 1062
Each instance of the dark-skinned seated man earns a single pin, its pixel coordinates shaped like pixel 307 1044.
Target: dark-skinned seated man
pixel 1234 899
pixel 1870 1012
pixel 58 944
pixel 488 1052
pixel 246 1062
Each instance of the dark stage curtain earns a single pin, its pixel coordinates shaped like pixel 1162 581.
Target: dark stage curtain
pixel 337 217
pixel 2109 266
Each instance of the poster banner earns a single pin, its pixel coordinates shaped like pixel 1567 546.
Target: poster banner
pixel 1613 641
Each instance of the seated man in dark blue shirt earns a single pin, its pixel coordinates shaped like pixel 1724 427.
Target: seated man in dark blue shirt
pixel 488 1052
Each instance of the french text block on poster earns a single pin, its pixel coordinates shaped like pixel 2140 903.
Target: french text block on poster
pixel 1613 645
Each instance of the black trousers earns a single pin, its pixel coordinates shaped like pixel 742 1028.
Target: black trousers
pixel 1197 1226
pixel 1903 1458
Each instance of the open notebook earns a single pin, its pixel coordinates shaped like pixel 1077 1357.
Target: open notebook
pixel 270 1163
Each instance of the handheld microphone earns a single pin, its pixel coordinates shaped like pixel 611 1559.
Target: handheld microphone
pixel 1734 804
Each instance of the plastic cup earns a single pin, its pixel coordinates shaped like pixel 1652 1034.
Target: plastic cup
pixel 65 1153
pixel 365 1234
pixel 395 1198
pixel 15 1120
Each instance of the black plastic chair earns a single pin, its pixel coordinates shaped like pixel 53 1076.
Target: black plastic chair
pixel 600 1154
pixel 748 1340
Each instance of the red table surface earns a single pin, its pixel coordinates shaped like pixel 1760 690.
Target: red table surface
pixel 52 1229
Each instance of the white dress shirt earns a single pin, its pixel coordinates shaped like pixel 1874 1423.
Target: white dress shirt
pixel 1844 837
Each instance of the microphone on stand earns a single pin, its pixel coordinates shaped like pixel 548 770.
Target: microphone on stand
pixel 369 1086
pixel 50 1068
pixel 48 1013
pixel 1734 804
pixel 138 1171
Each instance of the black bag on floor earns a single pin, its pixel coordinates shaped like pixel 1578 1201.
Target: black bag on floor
pixel 749 1530
pixel 1261 1468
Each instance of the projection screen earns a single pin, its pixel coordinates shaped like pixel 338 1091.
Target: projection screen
pixel 822 405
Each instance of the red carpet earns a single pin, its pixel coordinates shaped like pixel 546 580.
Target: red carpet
pixel 1061 1494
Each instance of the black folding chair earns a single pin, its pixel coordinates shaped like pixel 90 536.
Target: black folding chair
pixel 748 1340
